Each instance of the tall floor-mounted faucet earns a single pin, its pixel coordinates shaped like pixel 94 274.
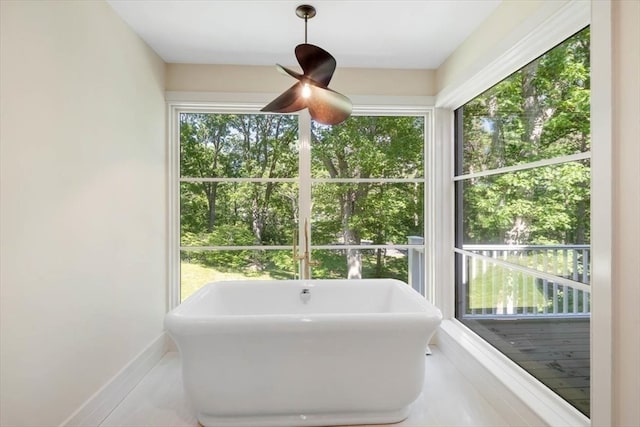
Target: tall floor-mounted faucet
pixel 304 257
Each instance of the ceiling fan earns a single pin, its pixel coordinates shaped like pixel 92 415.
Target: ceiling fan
pixel 325 106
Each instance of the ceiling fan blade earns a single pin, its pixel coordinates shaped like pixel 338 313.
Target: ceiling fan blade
pixel 292 73
pixel 291 100
pixel 327 106
pixel 316 63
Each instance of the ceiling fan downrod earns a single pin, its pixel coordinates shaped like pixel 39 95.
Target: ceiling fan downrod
pixel 306 12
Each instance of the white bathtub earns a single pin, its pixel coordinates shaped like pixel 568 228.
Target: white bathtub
pixel 269 353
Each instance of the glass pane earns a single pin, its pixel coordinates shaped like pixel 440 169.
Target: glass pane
pixel 359 263
pixel 238 145
pixel 538 217
pixel 539 112
pixel 374 213
pixel 369 147
pixel 495 290
pixel 540 325
pixel 567 261
pixel 237 213
pixel 197 268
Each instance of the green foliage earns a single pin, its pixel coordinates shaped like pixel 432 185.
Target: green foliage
pixel 215 147
pixel 368 147
pixel 539 112
pixel 223 235
pixel 331 265
pixel 219 212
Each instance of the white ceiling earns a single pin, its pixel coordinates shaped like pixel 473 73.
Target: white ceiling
pixel 417 34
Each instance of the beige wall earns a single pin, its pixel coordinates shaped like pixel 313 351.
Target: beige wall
pixel 510 18
pixel 262 79
pixel 82 188
pixel 626 213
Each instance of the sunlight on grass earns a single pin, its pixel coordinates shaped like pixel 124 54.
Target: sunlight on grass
pixel 194 276
pixel 501 287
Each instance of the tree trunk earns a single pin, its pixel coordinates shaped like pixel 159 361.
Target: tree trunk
pixel 535 116
pixel 535 112
pixel 257 221
pixel 347 205
pixel 519 232
pixel 350 237
pixel 354 264
pixel 497 143
pixel 582 218
pixel 212 191
pixel 379 262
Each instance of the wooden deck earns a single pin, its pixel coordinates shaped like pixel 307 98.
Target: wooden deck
pixel 556 351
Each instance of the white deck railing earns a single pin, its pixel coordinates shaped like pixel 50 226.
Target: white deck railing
pixel 518 280
pixel 496 290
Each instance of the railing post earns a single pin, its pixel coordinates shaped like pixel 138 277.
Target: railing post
pixel 416 264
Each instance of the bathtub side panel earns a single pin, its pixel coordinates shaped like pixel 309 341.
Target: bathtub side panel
pixel 261 371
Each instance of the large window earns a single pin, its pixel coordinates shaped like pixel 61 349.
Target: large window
pixel 522 184
pixel 249 182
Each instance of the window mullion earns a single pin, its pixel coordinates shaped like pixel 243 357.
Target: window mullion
pixel 304 176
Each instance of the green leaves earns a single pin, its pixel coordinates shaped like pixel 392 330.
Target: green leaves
pixel 218 212
pixel 540 112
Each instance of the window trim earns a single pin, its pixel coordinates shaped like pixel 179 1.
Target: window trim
pixel 533 37
pixel 250 103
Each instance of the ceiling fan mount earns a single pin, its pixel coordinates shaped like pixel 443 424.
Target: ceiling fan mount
pixel 305 11
pixel 325 106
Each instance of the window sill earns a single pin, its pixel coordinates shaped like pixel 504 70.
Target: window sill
pixel 518 396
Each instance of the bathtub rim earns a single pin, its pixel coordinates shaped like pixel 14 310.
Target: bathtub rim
pixel 395 284
pixel 180 321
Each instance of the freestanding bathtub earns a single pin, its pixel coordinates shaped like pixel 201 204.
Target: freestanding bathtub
pixel 303 353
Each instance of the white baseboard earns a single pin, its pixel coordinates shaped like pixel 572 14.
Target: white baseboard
pixel 514 393
pixel 105 400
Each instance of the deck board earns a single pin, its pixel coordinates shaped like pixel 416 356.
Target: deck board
pixel 556 351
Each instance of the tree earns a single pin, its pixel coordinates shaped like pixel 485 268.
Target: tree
pixel 253 150
pixel 539 112
pixel 265 143
pixel 216 147
pixel 366 147
pixel 202 154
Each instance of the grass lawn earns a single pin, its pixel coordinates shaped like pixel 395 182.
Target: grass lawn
pixel 194 276
pixel 497 286
pixel 279 266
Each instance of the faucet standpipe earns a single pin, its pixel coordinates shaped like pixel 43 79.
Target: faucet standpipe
pixel 305 257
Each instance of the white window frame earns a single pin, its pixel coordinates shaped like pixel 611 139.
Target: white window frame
pixel 185 102
pixel 541 33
